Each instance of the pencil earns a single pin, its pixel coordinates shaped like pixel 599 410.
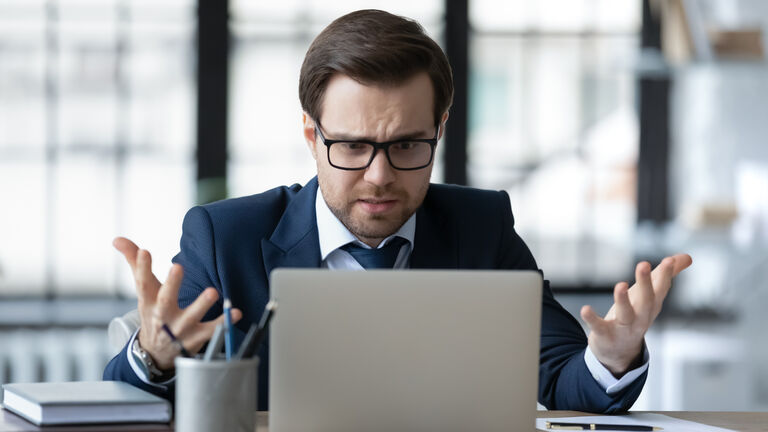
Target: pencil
pixel 229 335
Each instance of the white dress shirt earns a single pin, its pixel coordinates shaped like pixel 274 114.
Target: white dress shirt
pixel 333 235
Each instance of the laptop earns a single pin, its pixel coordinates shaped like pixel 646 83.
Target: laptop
pixel 412 350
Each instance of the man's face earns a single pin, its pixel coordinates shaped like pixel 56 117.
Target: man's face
pixel 374 202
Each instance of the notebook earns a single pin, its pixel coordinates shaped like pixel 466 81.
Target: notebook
pixel 416 350
pixel 83 402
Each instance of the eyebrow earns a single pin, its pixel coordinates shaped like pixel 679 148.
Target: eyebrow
pixel 400 137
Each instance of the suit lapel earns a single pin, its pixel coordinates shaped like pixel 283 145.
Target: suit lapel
pixel 435 240
pixel 294 243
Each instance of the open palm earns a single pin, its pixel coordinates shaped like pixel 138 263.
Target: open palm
pixel 617 339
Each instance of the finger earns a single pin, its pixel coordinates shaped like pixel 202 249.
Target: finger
pixel 663 280
pixel 643 286
pixel 127 248
pixel 593 320
pixel 682 262
pixel 147 284
pixel 195 312
pixel 168 294
pixel 625 314
pixel 200 337
pixel 237 315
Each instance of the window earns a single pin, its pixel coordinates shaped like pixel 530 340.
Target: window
pixel 552 122
pixel 96 139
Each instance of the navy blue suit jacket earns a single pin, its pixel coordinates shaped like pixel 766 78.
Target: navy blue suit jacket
pixel 233 245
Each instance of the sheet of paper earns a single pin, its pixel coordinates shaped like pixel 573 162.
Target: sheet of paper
pixel 648 419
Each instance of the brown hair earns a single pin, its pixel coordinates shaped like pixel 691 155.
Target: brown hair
pixel 373 47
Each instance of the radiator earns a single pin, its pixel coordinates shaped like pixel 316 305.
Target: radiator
pixel 35 355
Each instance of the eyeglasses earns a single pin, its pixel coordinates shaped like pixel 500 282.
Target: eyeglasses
pixel 406 155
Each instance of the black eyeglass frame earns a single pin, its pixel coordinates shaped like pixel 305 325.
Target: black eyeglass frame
pixel 379 146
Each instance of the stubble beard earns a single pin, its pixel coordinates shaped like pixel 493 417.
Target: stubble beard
pixel 372 226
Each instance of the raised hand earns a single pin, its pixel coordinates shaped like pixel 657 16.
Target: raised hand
pixel 617 339
pixel 158 304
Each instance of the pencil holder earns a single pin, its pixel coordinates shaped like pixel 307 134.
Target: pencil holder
pixel 214 396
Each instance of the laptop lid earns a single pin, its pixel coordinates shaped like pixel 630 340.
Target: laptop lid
pixel 404 350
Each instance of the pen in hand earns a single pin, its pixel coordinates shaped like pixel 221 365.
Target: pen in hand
pixel 182 350
pixel 256 333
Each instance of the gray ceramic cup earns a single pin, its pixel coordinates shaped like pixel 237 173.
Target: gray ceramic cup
pixel 215 396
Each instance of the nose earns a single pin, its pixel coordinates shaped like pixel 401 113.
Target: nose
pixel 380 172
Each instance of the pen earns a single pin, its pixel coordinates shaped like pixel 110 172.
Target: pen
pixel 594 426
pixel 182 350
pixel 214 345
pixel 256 334
pixel 229 336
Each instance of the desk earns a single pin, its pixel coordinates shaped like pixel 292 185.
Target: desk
pixel 740 421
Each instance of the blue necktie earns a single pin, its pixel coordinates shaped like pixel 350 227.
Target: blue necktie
pixel 383 257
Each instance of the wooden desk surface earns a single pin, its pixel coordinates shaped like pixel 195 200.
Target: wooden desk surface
pixel 740 421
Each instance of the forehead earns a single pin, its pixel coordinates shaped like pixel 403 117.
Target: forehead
pixel 378 110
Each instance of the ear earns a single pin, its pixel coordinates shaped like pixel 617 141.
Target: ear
pixel 443 120
pixel 309 133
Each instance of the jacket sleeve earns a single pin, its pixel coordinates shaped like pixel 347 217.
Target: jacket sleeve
pixel 198 258
pixel 565 382
pixel 119 369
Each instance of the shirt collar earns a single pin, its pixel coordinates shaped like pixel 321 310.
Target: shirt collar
pixel 333 234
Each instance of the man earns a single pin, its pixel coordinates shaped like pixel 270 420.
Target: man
pixel 376 91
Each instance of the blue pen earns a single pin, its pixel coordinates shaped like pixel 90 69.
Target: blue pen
pixel 229 336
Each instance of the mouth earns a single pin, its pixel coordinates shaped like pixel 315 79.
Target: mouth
pixel 377 205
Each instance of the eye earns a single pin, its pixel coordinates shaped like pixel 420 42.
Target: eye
pixel 405 145
pixel 352 146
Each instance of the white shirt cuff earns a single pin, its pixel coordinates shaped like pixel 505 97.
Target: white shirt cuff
pixel 139 371
pixel 605 378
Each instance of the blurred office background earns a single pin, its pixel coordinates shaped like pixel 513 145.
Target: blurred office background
pixel 622 129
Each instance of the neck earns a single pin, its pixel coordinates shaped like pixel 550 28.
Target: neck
pixel 371 241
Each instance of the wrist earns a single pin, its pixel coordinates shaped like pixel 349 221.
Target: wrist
pixel 147 363
pixel 618 367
